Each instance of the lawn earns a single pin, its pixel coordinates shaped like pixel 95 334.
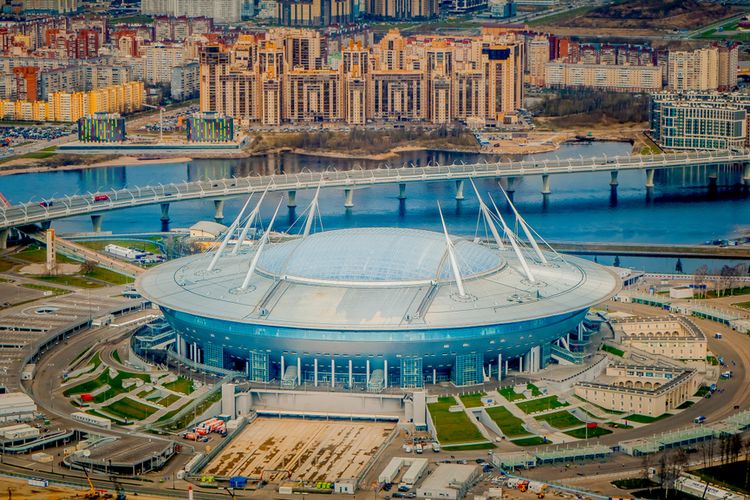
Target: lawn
pixel 541 404
pixel 745 305
pixel 169 400
pixel 146 246
pixel 188 417
pixel 183 385
pixel 530 441
pixel 472 400
pixel 115 385
pixel 116 356
pixel 42 288
pixel 702 391
pixel 535 392
pixel 581 433
pixel 613 350
pixel 645 419
pixel 130 409
pixel 469 447
pixel 452 427
pixel 733 475
pixel 509 394
pixel 711 360
pixel 76 281
pixel 560 419
pixel 511 425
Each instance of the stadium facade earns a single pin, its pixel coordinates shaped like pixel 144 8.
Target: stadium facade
pixel 376 307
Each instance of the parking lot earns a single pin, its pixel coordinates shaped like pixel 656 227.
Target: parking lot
pixel 302 450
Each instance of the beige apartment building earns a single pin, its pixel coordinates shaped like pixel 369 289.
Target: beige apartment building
pixel 708 68
pixel 283 79
pixel 623 78
pixel 645 390
pixel 671 337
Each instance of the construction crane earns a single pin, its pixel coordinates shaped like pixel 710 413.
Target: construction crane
pixel 93 493
pixel 161 120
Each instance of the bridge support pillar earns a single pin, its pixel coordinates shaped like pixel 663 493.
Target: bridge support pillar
pixel 46 224
pixel 649 178
pixel 713 177
pixel 96 223
pixel 348 198
pixel 402 191
pixel 746 174
pixel 546 186
pixel 315 372
pixel 165 212
pixel 613 182
pixel 4 233
pixel 511 185
pixel 218 210
pixel 291 199
pixel 460 190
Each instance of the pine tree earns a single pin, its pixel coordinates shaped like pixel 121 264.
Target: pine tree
pixel 678 266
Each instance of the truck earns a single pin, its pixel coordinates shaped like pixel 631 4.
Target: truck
pixel 699 420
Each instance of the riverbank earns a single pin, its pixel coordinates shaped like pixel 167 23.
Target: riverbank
pixel 110 161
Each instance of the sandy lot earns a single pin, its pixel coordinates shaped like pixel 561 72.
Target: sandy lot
pixel 300 449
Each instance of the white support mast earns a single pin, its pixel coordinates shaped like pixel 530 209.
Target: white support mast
pixel 311 213
pixel 229 234
pixel 452 257
pixel 256 257
pixel 488 218
pixel 514 244
pixel 249 223
pixel 525 228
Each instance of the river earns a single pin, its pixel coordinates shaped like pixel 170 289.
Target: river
pixel 581 208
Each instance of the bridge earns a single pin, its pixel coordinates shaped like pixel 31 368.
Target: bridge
pixel 95 204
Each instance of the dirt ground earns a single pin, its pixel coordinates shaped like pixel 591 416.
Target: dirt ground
pixel 19 489
pixel 303 449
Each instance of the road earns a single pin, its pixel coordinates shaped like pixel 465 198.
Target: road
pixel 47 210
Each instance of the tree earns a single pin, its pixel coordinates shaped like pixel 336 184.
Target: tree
pixel 617 261
pixel 88 267
pixel 699 279
pixel 678 266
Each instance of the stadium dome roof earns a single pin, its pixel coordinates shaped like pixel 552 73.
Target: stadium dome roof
pixel 376 256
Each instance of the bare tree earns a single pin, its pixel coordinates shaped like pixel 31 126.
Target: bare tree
pixel 88 267
pixel 699 279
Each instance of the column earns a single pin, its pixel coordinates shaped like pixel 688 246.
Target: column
pixel 511 185
pixel 218 210
pixel 96 223
pixel 348 198
pixel 299 370
pixel 713 176
pixel 315 372
pixel 546 188
pixel 402 191
pixel 4 233
pixel 649 178
pixel 177 344
pixel 506 367
pixel 165 212
pixel 291 199
pixel 333 372
pixel 460 190
pixel 281 377
pixel 613 182
pixel 351 375
pixel 746 174
pixel 434 376
pixel 385 373
pixel 367 372
pixel 499 367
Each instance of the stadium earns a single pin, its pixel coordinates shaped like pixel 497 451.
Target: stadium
pixel 377 307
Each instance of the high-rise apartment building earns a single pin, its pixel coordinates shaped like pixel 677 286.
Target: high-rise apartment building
pixel 708 68
pixel 314 13
pixel 603 77
pixel 284 78
pixel 403 9
pixel 221 11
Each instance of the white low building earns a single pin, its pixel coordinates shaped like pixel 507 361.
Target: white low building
pixel 450 481
pixel 16 406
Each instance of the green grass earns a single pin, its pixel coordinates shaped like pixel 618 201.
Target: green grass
pixel 511 425
pixel 541 404
pixel 745 305
pixel 146 246
pixel 39 155
pixel 645 419
pixel 732 475
pixel 75 281
pixel 509 394
pixel 144 393
pixel 130 409
pixel 473 400
pixel 616 425
pixel 452 427
pixel 529 441
pixel 42 288
pixel 633 483
pixel 115 385
pixel 108 417
pixel 116 356
pixel 650 150
pixel 98 278
pixel 172 413
pixel 469 447
pixel 560 419
pixel 112 277
pixel 182 384
pixel 592 433
pixel 613 350
pixel 169 400
pixel 711 360
pixel 185 420
pixel 535 392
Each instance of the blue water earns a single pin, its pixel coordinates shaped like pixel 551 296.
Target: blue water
pixel 581 207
